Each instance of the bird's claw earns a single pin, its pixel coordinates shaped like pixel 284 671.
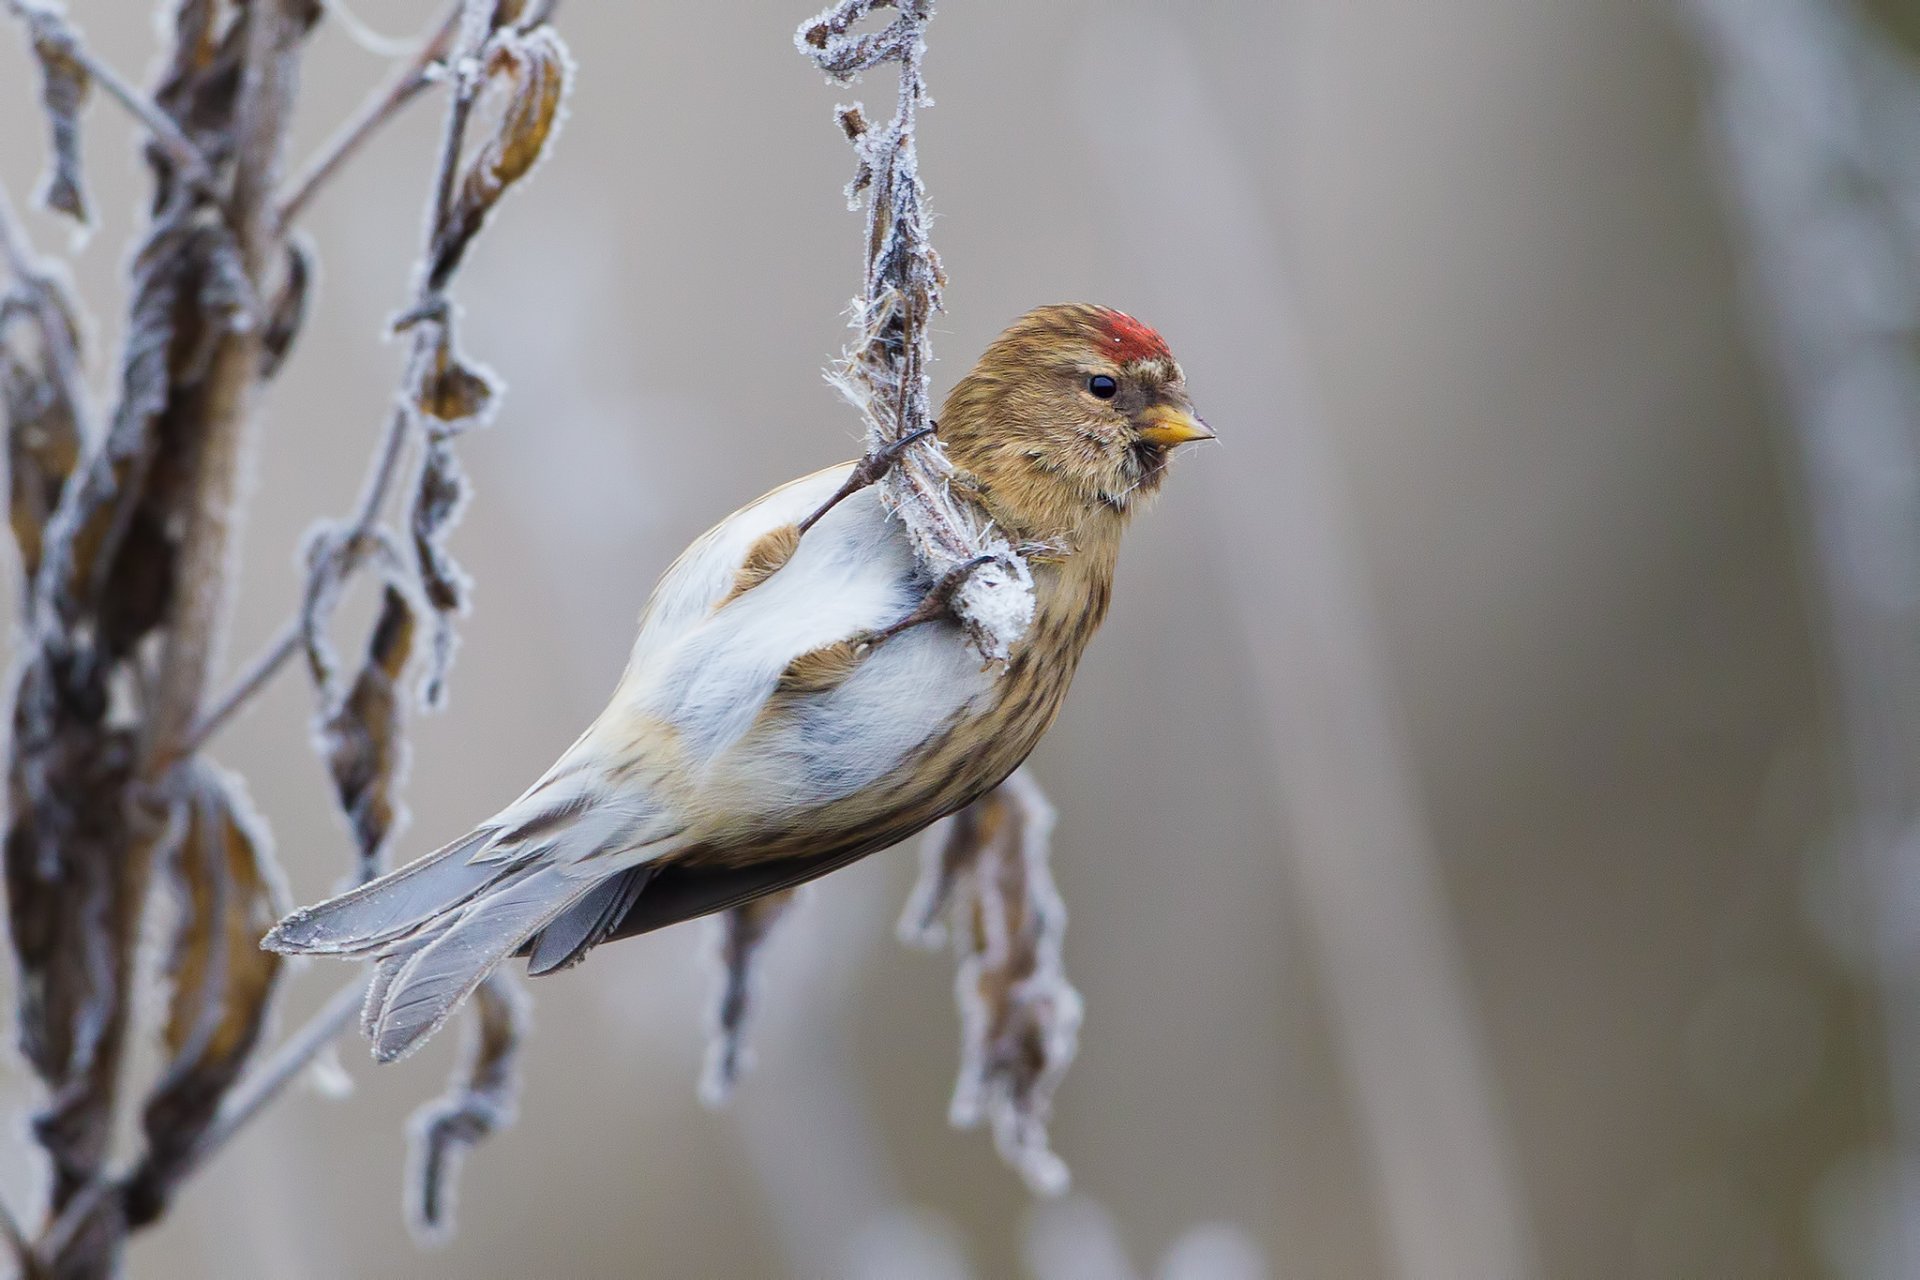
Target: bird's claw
pixel 937 602
pixel 868 471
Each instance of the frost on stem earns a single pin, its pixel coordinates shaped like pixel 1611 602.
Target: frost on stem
pixel 742 933
pixel 884 372
pixel 985 885
pixel 480 1101
pixel 229 892
pixel 64 82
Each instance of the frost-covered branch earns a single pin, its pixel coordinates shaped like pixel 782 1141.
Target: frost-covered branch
pixel 986 888
pixel 127 538
pixel 884 372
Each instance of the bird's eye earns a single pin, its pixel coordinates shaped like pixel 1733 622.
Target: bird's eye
pixel 1103 387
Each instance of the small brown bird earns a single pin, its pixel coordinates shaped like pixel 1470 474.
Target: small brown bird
pixel 775 721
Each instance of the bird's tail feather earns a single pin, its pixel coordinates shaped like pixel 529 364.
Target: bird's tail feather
pixel 380 912
pixel 418 984
pixel 586 924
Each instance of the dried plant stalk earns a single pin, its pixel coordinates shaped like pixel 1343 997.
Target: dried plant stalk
pixel 126 538
pixel 884 373
pixel 742 933
pixel 986 886
pixel 479 1102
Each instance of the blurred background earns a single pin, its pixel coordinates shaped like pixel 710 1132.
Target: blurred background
pixel 1485 817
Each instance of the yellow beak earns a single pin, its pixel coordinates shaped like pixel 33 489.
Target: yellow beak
pixel 1167 426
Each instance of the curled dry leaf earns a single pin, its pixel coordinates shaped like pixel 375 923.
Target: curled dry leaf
pixel 361 736
pixel 446 388
pixel 523 81
pixel 67 840
pixel 229 894
pixel 288 310
pixel 985 883
pixel 438 499
pixel 42 422
pixel 479 1102
pixel 743 932
pixel 64 83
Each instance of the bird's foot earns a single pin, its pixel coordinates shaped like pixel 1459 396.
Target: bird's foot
pixel 938 601
pixel 868 471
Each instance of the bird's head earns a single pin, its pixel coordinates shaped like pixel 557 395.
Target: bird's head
pixel 1068 419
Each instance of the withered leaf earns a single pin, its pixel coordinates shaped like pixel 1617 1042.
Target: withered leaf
pixel 985 883
pixel 438 499
pixel 743 934
pixel 445 387
pixel 64 83
pixel 524 78
pixel 229 894
pixel 826 38
pixel 288 311
pixel 42 423
pixel 66 848
pixel 361 736
pixel 479 1102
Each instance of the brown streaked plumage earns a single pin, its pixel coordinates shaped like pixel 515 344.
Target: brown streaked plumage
pixel 777 719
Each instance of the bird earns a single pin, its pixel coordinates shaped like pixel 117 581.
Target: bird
pixel 795 699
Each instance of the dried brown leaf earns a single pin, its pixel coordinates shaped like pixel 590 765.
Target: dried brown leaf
pixel 229 895
pixel 66 848
pixel 986 884
pixel 361 735
pixel 743 934
pixel 64 83
pixel 41 421
pixel 446 388
pixel 438 499
pixel 524 77
pixel 479 1102
pixel 288 310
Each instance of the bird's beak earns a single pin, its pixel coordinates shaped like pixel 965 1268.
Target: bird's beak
pixel 1167 426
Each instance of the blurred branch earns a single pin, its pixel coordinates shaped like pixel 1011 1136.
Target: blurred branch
pixel 49 25
pixel 1816 122
pixel 1400 1001
pixel 197 621
pixel 267 1081
pixel 129 552
pixel 416 76
pixel 353 548
pixel 987 889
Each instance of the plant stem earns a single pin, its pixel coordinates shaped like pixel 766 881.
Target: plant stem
pixel 206 553
pixel 266 1082
pixel 383 106
pixel 177 147
pixel 380 477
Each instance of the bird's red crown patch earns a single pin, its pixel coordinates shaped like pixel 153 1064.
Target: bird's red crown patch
pixel 1129 340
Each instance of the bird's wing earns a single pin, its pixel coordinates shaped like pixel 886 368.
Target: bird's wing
pixel 700 690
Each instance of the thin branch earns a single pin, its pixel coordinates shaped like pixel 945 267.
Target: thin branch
pixel 373 496
pixel 267 1082
pixel 198 617
pixel 16 1240
pixel 258 675
pixel 178 148
pixel 381 107
pixel 78 1212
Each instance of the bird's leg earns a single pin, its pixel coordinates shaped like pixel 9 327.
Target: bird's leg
pixel 936 603
pixel 868 470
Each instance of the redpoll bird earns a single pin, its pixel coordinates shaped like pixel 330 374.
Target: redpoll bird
pixel 776 720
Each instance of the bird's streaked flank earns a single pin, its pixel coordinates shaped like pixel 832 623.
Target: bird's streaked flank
pixel 796 699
